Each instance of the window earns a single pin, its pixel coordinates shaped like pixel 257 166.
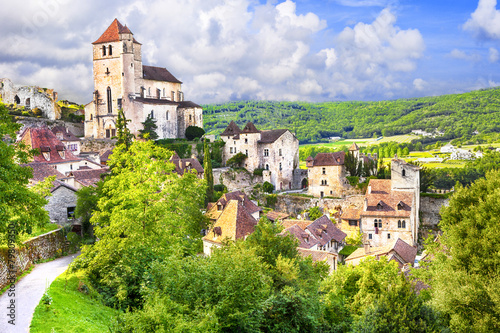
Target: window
pixel 158 93
pixel 279 152
pixel 403 224
pixel 246 152
pixel 230 150
pixel 331 192
pixel 219 207
pixel 388 236
pixel 119 102
pixel 353 223
pixel 324 171
pixel 324 182
pixel 108 133
pixel 167 114
pixel 172 95
pixel 70 212
pixel 404 173
pixel 321 194
pixel 377 223
pixel 149 92
pixel 266 152
pixel 124 47
pixel 152 114
pixel 246 140
pixel 110 50
pixel 281 168
pixel 267 166
pixel 103 50
pixel 164 95
pixel 113 132
pixel 370 236
pixel 110 101
pixel 190 118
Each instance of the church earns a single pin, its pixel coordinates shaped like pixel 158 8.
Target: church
pixel 121 81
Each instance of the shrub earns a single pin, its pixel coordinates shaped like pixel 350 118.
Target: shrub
pixel 315 213
pixel 353 180
pixel 194 132
pixel 258 172
pixel 271 200
pixel 268 187
pixel 236 160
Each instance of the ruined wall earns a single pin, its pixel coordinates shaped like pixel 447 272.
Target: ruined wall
pixel 236 179
pixel 429 210
pixel 75 128
pixel 42 247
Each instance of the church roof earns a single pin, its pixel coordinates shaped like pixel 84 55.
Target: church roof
pixel 112 33
pixel 158 74
pixel 231 129
pixel 188 104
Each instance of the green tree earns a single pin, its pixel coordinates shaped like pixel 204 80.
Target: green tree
pixel 209 177
pixel 145 213
pixel 123 134
pixel 236 161
pixel 268 187
pixel 352 165
pixel 149 129
pixel 314 213
pixel 465 274
pixel 21 209
pixel 193 132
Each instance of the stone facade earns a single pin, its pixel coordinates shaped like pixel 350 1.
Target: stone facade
pixel 275 151
pixel 327 175
pixel 121 81
pixel 62 204
pixel 30 97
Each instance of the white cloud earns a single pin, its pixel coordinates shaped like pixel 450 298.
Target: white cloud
pixel 366 3
pixel 458 54
pixel 493 55
pixel 420 84
pixel 485 20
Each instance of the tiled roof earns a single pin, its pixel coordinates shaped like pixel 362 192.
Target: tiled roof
pixel 66 134
pixel 213 213
pixel 329 159
pixel 250 128
pixel 43 139
pixel 324 230
pixel 43 170
pixel 58 184
pixel 273 215
pixel 271 136
pixel 105 156
pixel 316 255
pixel 231 129
pixel 404 251
pixel 155 101
pixel 183 165
pixel 351 213
pixel 188 104
pixel 301 223
pixel 234 223
pixel 158 74
pixel 306 240
pixel 88 177
pixel 383 201
pixel 112 33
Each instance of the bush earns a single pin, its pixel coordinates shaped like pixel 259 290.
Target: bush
pixel 271 200
pixel 353 180
pixel 193 132
pixel 220 188
pixel 236 160
pixel 268 187
pixel 315 213
pixel 258 172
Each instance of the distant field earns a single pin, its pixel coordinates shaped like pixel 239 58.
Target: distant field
pixel 396 138
pixel 365 142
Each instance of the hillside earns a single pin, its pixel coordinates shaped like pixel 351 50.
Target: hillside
pixel 458 116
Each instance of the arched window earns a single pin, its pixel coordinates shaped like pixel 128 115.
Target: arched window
pixel 110 50
pixel 110 105
pixel 399 223
pixel 152 113
pixel 403 224
pixel 124 47
pixel 103 50
pixel 168 112
pixel 267 166
pixel 404 172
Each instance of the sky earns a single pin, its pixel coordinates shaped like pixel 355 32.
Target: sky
pixel 300 50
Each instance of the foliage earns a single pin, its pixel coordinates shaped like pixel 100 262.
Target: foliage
pixel 145 213
pixel 348 250
pixel 209 177
pixel 20 207
pixel 123 135
pixel 193 132
pixel 258 172
pixel 71 310
pixel 86 204
pixel 465 276
pixel 149 129
pixel 353 180
pixel 314 213
pixel 355 239
pixel 352 165
pixel 268 187
pixel 271 200
pixel 236 161
pixel 183 149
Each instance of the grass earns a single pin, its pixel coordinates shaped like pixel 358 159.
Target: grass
pixel 37 231
pixel 71 310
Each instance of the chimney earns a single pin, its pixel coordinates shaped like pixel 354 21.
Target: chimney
pixel 367 247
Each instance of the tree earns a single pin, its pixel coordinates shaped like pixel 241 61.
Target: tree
pixel 465 274
pixel 352 165
pixel 268 187
pixel 86 204
pixel 314 213
pixel 123 134
pixel 193 132
pixel 149 130
pixel 145 213
pixel 236 161
pixel 21 209
pixel 209 176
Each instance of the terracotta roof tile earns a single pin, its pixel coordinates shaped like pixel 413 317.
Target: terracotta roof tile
pixel 301 223
pixel 43 139
pixel 403 251
pixel 89 177
pixel 183 165
pixel 324 230
pixel 306 240
pixel 214 212
pixel 351 213
pixel 105 156
pixel 65 133
pixel 231 129
pixel 273 215
pixel 316 255
pixel 329 159
pixel 43 170
pixel 158 74
pixel 58 184
pixel 383 201
pixel 112 33
pixel 234 222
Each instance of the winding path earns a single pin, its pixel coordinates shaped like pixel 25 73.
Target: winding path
pixel 28 292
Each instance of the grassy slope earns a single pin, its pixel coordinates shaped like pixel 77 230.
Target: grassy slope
pixel 71 310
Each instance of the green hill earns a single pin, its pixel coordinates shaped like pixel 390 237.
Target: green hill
pixel 457 116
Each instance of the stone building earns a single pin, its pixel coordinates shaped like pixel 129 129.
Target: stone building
pixel 397 250
pixel 327 175
pixel 62 203
pixel 391 206
pixel 121 81
pixel 30 97
pixel 274 151
pixel 183 165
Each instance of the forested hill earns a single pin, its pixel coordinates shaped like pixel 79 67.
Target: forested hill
pixel 458 115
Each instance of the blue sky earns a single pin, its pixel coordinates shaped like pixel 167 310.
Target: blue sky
pixel 308 50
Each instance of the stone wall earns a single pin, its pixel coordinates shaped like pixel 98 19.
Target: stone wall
pixel 429 210
pixel 39 248
pixel 294 205
pixel 236 179
pixel 96 145
pixel 75 128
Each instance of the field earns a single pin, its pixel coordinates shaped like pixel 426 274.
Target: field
pixel 365 142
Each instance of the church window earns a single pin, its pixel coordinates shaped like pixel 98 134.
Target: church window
pixel 119 102
pixel 152 114
pixel 103 50
pixel 168 114
pixel 108 133
pixel 266 152
pixel 267 166
pixel 110 105
pixel 158 93
pixel 110 50
pixel 404 173
pixel 143 92
pixel 113 132
pixel 281 168
pixel 280 152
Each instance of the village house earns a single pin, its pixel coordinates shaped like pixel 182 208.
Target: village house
pixel 183 165
pixel 274 151
pixel 391 206
pixel 327 175
pixel 30 97
pixel 233 216
pixel 70 141
pixel 397 250
pixel 62 204
pixel 121 81
pixel 350 220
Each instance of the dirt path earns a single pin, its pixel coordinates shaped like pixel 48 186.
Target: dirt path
pixel 28 292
